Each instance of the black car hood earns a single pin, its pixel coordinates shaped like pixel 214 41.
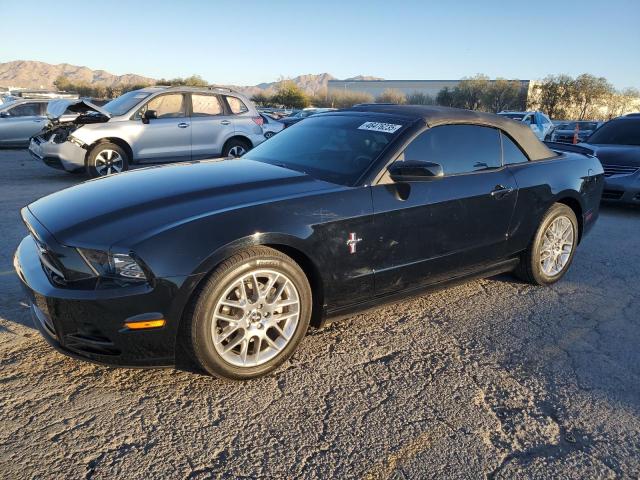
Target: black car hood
pixel 616 154
pixel 94 214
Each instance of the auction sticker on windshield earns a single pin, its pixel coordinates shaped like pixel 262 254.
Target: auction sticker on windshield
pixel 380 127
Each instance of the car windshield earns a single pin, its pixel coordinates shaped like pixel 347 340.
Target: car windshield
pixel 337 149
pixel 124 103
pixel 618 132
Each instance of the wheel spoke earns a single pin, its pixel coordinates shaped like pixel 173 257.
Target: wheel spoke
pixel 234 344
pixel 225 335
pixel 271 343
pixel 255 332
pixel 244 348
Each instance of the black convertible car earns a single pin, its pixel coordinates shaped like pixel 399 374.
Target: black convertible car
pixel 234 259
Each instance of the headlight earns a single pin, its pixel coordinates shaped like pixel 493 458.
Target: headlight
pixel 75 141
pixel 107 264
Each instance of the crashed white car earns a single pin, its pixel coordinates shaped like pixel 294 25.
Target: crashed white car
pixel 151 125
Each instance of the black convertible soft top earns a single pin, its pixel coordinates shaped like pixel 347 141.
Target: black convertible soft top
pixel 434 116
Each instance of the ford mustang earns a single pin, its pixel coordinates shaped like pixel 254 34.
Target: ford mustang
pixel 230 261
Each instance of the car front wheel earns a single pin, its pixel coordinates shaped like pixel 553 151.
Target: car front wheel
pixel 106 159
pixel 250 315
pixel 551 251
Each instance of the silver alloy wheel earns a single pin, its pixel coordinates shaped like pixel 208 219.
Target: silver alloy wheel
pixel 237 151
pixel 269 135
pixel 108 161
pixel 255 317
pixel 557 245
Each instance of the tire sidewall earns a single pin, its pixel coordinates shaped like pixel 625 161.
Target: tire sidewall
pixel 91 161
pixel 202 339
pixel 553 213
pixel 234 143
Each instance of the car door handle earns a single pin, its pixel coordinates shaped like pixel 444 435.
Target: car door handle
pixel 501 191
pixel 39 121
pixel 183 125
pixel 225 122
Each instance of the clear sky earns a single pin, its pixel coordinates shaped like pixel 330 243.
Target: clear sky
pixel 245 42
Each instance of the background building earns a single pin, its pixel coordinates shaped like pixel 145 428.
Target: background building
pixel 408 87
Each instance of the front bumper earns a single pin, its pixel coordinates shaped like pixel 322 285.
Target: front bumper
pixel 90 324
pixel 64 156
pixel 622 189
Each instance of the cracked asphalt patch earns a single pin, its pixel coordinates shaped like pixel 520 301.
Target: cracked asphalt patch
pixel 494 378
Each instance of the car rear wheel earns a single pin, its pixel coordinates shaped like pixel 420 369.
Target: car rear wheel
pixel 235 148
pixel 250 315
pixel 269 135
pixel 106 159
pixel 551 251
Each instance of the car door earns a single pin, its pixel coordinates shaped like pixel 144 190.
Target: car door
pixel 439 228
pixel 21 123
pixel 244 123
pixel 163 139
pixel 211 126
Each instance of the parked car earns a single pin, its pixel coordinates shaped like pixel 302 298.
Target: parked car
pixel 234 259
pixel 617 146
pixel 302 114
pixel 151 125
pixel 271 126
pixel 20 119
pixel 565 132
pixel 537 121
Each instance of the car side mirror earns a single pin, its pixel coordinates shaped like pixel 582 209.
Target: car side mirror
pixel 149 115
pixel 414 171
pixel 4 114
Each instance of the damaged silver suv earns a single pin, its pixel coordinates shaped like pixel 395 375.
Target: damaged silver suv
pixel 151 125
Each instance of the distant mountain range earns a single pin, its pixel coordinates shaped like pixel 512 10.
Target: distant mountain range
pixel 32 74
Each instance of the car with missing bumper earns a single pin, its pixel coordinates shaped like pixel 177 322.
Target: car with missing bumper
pixel 150 125
pixel 231 261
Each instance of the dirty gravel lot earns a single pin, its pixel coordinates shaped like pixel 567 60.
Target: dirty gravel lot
pixel 494 378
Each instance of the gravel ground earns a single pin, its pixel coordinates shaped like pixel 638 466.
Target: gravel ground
pixel 494 378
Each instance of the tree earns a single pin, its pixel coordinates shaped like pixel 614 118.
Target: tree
pixel 261 98
pixel 192 81
pixel 420 98
pixel 290 95
pixel 340 99
pixel 588 92
pixel 391 95
pixel 619 103
pixel 502 94
pixel 445 97
pixel 553 95
pixel 470 92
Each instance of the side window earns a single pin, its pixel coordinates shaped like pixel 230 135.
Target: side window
pixel 511 153
pixel 205 105
pixel 25 110
pixel 458 148
pixel 167 106
pixel 236 105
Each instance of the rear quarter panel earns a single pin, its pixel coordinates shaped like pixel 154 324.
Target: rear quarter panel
pixel 569 177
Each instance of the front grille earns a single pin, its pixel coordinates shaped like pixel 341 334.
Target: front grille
pixel 610 170
pixel 612 194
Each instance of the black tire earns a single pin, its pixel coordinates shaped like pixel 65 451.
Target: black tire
pixel 231 147
pixel 268 135
pixel 96 166
pixel 200 314
pixel 530 268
